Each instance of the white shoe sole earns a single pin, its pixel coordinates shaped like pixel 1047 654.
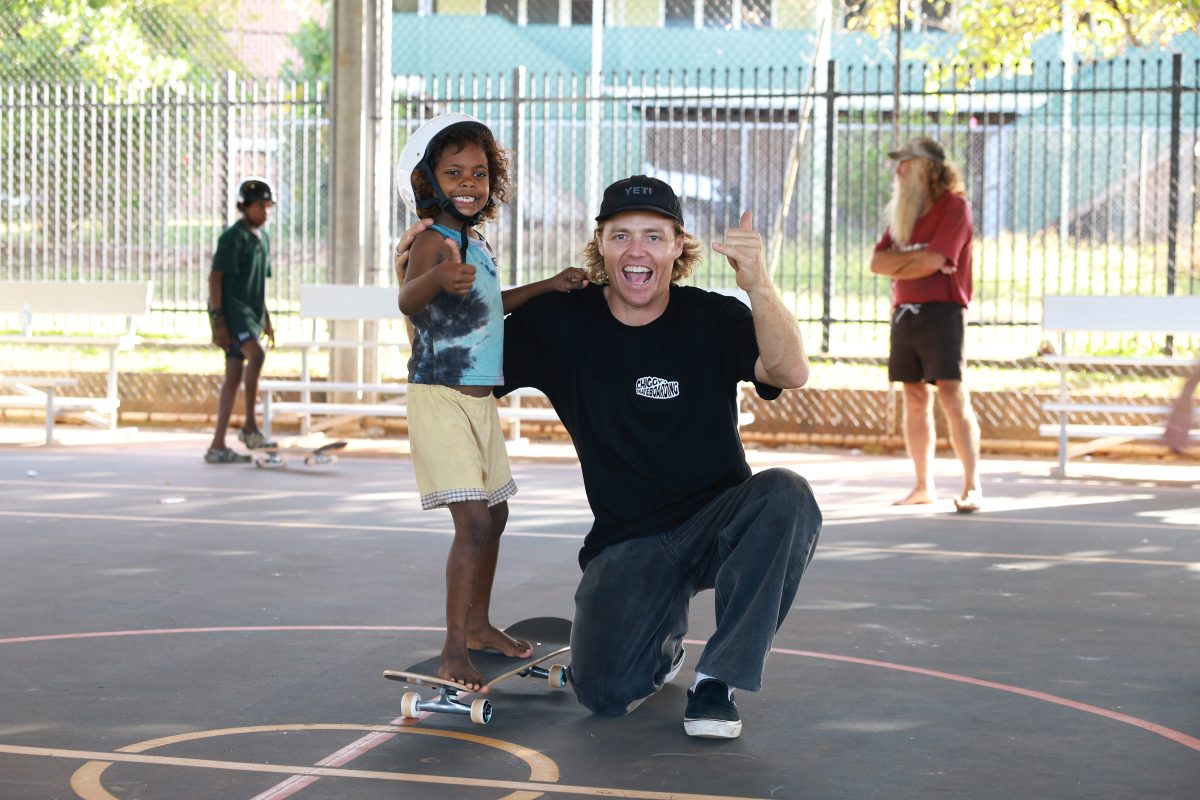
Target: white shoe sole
pixel 713 728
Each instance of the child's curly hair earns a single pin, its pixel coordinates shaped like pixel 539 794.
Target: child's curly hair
pixel 455 139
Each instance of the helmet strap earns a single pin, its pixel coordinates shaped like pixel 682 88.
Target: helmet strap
pixel 446 205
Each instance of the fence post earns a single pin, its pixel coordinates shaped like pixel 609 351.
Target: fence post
pixel 230 140
pixel 1173 182
pixel 516 216
pixel 830 170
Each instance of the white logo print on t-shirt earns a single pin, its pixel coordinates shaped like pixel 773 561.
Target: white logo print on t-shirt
pixel 657 388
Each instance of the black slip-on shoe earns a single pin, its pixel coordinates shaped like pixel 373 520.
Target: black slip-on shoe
pixel 711 712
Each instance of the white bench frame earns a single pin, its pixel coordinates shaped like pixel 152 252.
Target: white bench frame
pixel 34 392
pixel 34 299
pixel 335 302
pixel 1084 314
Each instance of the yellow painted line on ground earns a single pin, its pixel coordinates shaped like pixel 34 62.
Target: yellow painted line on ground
pixel 976 519
pixel 531 496
pixel 958 519
pixel 933 551
pixel 87 781
pixel 283 525
pixel 35 483
pixel 328 772
pixel 996 505
pixel 980 519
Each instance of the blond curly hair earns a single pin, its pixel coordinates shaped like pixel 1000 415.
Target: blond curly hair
pixel 942 177
pixel 693 251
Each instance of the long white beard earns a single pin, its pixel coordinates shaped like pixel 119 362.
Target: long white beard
pixel 904 209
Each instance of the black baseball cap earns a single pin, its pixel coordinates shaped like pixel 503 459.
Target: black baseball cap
pixel 251 190
pixel 640 193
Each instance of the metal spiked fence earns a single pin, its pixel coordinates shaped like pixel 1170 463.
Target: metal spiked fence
pixel 1086 188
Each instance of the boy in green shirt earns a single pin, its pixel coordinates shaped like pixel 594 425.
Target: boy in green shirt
pixel 237 311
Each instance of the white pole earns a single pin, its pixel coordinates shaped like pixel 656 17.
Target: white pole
pixel 592 171
pixel 347 196
pixel 1068 57
pixel 899 60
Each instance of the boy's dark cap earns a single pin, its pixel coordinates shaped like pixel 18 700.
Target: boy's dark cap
pixel 640 193
pixel 252 190
pixel 921 147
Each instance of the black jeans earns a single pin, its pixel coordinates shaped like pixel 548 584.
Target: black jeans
pixel 751 544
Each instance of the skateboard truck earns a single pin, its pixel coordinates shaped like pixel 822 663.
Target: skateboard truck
pixel 479 709
pixel 550 638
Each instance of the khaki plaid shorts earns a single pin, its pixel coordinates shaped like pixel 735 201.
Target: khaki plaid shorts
pixel 457 447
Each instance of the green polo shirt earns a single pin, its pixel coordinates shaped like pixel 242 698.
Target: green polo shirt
pixel 243 258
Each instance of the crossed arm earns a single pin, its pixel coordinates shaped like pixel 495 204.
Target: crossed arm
pixel 909 265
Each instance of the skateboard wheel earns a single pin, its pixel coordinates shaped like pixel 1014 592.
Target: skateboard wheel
pixel 410 705
pixel 558 676
pixel 481 711
pixel 310 461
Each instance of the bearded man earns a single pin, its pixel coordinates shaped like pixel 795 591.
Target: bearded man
pixel 926 252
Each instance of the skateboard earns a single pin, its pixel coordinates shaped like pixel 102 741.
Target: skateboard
pixel 277 457
pixel 550 637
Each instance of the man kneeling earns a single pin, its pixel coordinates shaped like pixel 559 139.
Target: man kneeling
pixel 644 375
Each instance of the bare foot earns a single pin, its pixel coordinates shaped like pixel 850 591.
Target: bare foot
pixel 917 497
pixel 492 638
pixel 460 670
pixel 970 502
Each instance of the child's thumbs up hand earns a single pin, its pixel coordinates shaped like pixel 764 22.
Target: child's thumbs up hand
pixel 453 275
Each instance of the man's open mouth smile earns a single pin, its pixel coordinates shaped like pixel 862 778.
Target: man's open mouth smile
pixel 637 275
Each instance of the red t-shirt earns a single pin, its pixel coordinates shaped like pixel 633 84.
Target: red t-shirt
pixel 945 229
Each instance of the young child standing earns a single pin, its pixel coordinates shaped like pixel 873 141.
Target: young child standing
pixel 237 312
pixel 452 171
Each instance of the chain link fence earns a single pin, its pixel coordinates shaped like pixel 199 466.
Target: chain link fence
pixel 1082 177
pixel 118 183
pixel 1089 190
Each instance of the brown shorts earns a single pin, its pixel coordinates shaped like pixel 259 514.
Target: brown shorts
pixel 927 342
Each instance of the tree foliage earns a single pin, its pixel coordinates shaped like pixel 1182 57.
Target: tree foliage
pixel 996 32
pixel 314 44
pixel 150 42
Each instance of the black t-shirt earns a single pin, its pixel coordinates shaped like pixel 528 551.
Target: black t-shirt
pixel 652 409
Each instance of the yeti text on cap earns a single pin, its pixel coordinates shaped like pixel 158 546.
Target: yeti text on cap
pixel 638 190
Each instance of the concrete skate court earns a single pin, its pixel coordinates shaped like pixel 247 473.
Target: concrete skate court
pixel 173 629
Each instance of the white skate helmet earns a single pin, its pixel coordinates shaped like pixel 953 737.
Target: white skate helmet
pixel 413 156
